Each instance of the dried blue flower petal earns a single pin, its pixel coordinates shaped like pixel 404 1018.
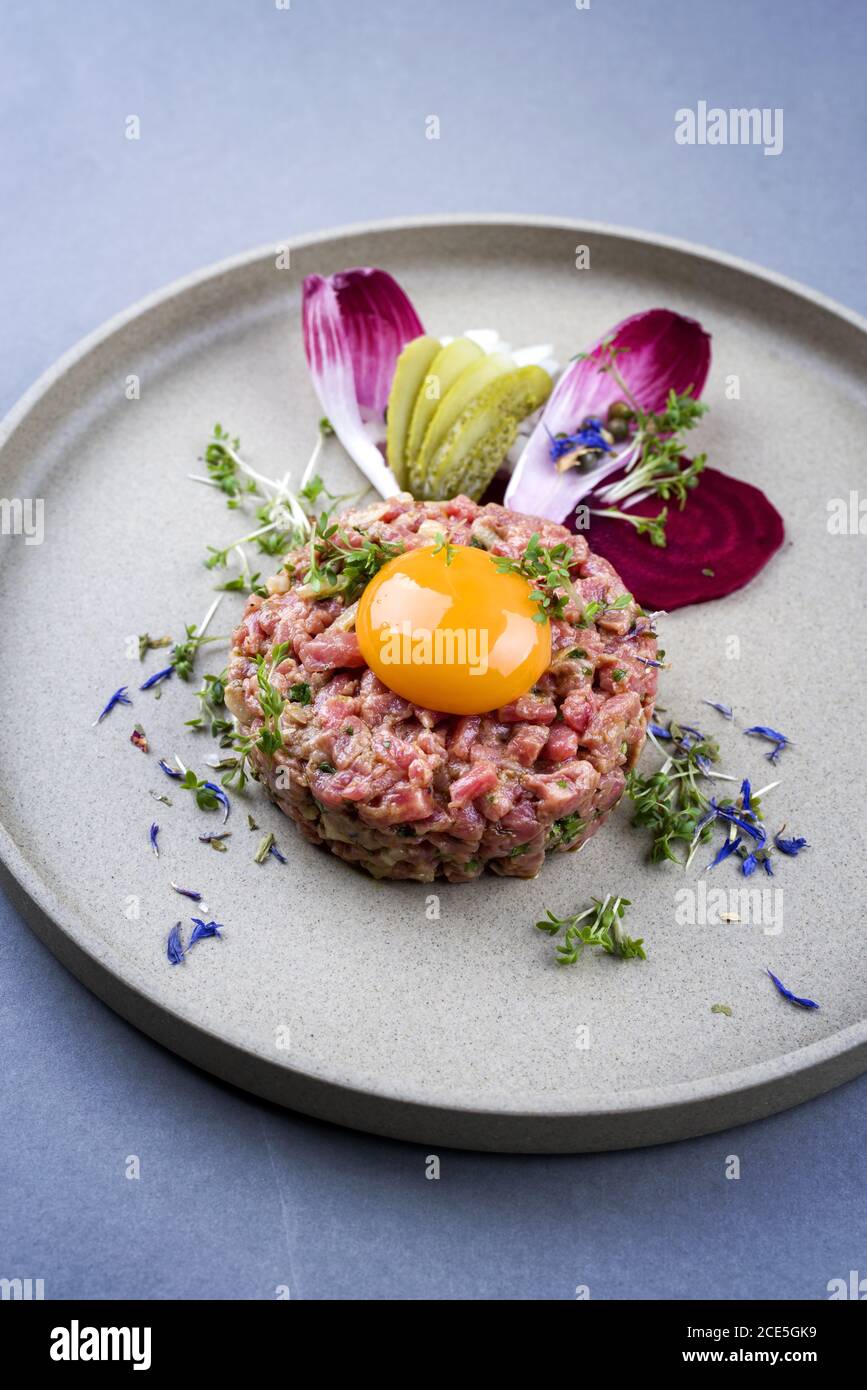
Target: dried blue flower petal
pixel 780 740
pixel 723 709
pixel 691 735
pixel 118 698
pixel 221 797
pixel 768 867
pixel 758 832
pixel 658 731
pixel 648 661
pixel 155 830
pixel 729 847
pixel 749 865
pixel 278 854
pixel 704 764
pixel 174 945
pixel 589 437
pixel 747 796
pixel 168 770
pixel 157 677
pixel 791 847
pixel 221 835
pixel 793 998
pixel 202 930
pixel 188 893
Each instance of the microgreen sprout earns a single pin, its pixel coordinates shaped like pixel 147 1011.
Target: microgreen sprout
pixel 212 698
pixel 338 566
pixel 604 929
pixel 282 515
pixel 442 545
pixel 184 653
pixel 671 803
pixel 269 737
pixel 651 463
pixel 651 526
pixel 208 795
pixel 548 571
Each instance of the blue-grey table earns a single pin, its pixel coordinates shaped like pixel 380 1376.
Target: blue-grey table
pixel 258 122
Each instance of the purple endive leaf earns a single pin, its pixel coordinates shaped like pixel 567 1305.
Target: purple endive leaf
pixel 657 351
pixel 356 323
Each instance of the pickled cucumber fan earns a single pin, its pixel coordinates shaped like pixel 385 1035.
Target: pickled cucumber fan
pixel 453 414
pixel 418 414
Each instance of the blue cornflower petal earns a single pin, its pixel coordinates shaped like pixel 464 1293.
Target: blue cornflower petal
pixel 723 709
pixel 157 677
pixel 155 830
pixel 201 930
pixel 728 848
pixel 590 437
pixel 749 865
pixel 768 867
pixel 221 797
pixel 169 771
pixel 746 795
pixel 188 893
pixel 781 741
pixel 757 831
pixel 278 854
pixel 118 698
pixel 705 764
pixel 793 998
pixel 709 815
pixel 791 847
pixel 174 945
pixel 690 736
pixel 658 731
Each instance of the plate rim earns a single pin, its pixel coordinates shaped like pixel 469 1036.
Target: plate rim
pixel 651 1099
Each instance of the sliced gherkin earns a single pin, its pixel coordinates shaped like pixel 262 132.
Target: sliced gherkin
pixel 479 439
pixel 470 384
pixel 409 373
pixel 443 371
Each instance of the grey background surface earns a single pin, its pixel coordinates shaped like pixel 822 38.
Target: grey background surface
pixel 258 123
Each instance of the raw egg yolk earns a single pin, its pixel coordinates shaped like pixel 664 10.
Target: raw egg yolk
pixel 445 630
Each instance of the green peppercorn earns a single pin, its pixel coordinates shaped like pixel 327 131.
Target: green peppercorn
pixel 619 410
pixel 618 428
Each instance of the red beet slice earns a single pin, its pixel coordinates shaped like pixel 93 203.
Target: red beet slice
pixel 727 527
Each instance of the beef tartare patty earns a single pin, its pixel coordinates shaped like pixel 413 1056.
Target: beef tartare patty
pixel 412 793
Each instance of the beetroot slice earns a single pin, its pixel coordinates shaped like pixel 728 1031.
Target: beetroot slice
pixel 727 526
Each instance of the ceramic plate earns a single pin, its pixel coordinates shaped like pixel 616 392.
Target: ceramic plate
pixel 437 1013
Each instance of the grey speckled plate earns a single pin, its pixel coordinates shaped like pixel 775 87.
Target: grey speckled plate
pixel 346 998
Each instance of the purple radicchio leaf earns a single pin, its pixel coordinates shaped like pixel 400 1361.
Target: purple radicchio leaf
pixel 356 323
pixel 657 351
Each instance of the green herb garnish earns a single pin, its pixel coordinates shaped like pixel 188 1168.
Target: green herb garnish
pixel 339 567
pixel 603 929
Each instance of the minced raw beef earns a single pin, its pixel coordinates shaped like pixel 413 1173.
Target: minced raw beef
pixel 412 793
